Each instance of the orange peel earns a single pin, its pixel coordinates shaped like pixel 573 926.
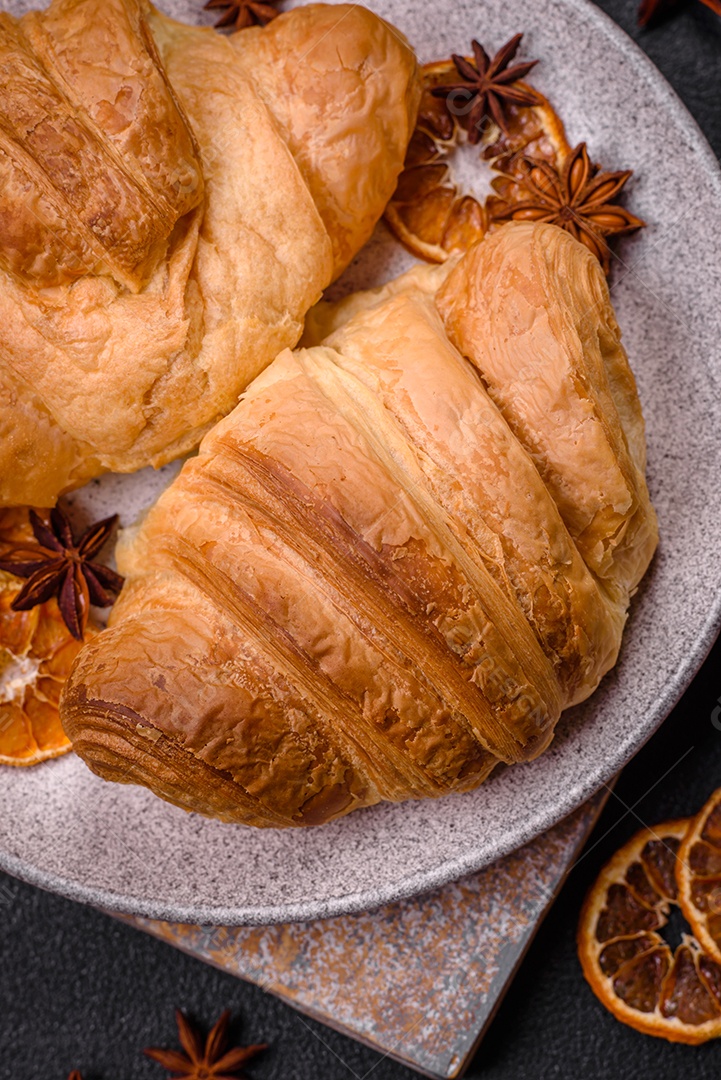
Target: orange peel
pixel 699 876
pixel 673 994
pixel 429 213
pixel 37 652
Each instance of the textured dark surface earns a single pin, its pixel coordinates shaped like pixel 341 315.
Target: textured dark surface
pixel 79 990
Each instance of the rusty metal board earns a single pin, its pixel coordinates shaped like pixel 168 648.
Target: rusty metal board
pixel 418 980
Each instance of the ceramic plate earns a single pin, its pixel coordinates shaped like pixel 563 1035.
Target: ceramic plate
pixel 120 847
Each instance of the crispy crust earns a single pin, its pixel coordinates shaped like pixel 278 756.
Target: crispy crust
pixel 182 257
pixel 362 588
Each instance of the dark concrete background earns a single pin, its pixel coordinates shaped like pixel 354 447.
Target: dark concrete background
pixel 79 990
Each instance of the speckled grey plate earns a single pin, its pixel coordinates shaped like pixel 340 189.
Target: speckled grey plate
pixel 120 847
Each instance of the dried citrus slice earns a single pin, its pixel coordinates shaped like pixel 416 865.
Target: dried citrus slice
pixel 674 994
pixel 429 212
pixel 699 876
pixel 36 654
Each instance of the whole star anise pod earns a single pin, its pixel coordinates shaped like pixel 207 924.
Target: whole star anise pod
pixel 489 85
pixel 651 10
pixel 577 197
pixel 59 566
pixel 209 1061
pixel 242 13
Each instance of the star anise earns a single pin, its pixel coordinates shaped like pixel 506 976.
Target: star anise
pixel 577 197
pixel 242 13
pixel 59 566
pixel 651 10
pixel 209 1061
pixel 488 86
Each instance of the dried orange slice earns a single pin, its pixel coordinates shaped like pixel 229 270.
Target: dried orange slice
pixel 36 654
pixel 699 876
pixel 429 212
pixel 674 994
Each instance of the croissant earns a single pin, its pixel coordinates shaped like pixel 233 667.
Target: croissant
pixel 171 204
pixel 409 547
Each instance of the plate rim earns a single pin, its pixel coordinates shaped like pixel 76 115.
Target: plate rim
pixel 451 869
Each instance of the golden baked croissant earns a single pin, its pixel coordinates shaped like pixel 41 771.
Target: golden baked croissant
pixel 389 568
pixel 171 204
